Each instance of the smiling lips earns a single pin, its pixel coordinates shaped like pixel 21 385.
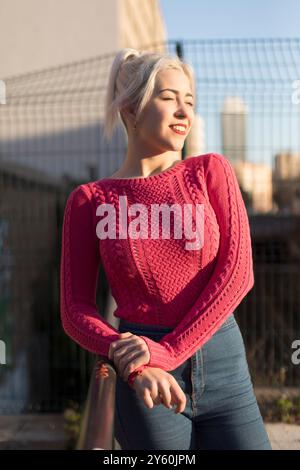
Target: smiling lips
pixel 178 129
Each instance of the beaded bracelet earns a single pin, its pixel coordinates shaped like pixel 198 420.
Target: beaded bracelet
pixel 134 374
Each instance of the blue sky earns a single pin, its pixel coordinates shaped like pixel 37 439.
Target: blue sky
pixel 269 129
pixel 200 19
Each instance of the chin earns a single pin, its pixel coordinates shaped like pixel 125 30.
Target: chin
pixel 178 146
pixel 172 145
pixel 176 143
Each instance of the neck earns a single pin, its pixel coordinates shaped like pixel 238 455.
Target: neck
pixel 143 166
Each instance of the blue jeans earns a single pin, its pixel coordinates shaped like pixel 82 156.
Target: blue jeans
pixel 221 408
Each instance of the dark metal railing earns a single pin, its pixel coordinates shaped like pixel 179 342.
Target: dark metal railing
pixel 97 425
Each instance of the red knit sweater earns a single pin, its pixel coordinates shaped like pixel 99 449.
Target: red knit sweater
pixel 157 281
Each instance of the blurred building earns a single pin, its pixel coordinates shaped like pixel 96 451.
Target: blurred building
pixel 255 181
pixel 195 142
pixel 287 166
pixel 233 128
pixel 286 181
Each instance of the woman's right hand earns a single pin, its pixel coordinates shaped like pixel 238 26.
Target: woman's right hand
pixel 155 386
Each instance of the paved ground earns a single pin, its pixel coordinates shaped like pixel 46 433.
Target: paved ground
pixel 43 431
pixel 46 431
pixel 284 436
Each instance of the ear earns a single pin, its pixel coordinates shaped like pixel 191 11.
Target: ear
pixel 129 115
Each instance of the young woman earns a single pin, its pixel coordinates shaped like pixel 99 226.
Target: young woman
pixel 177 287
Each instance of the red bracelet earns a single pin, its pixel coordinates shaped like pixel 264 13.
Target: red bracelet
pixel 134 374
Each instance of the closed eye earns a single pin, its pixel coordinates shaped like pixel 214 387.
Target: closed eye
pixel 192 104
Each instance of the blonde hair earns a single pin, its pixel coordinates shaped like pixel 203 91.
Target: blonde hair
pixel 132 80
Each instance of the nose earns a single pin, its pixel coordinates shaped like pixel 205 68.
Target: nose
pixel 182 111
pixel 184 117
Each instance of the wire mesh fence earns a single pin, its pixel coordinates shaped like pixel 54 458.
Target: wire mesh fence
pixel 247 108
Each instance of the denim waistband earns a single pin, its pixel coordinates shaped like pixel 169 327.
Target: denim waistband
pixel 143 329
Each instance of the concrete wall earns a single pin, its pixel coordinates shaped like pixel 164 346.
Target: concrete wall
pixel 36 34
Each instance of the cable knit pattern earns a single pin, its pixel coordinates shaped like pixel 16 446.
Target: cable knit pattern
pixel 158 281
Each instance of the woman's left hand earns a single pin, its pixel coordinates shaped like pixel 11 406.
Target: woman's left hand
pixel 128 353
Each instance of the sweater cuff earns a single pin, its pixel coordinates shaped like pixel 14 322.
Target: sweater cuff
pixel 159 356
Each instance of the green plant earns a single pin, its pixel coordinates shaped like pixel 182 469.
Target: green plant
pixel 72 416
pixel 285 407
pixel 297 408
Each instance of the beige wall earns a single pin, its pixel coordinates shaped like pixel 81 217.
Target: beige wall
pixel 141 23
pixel 36 34
pixel 59 110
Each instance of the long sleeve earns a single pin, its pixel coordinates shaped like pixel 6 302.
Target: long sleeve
pixel 232 277
pixel 79 268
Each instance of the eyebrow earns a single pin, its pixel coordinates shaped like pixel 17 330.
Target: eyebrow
pixel 174 91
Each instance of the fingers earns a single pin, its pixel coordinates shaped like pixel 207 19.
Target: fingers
pixel 132 363
pixel 178 398
pixel 125 340
pixel 160 391
pixel 129 357
pixel 165 397
pixel 114 347
pixel 157 401
pixel 125 335
pixel 124 357
pixel 179 402
pixel 129 361
pixel 147 398
pixel 119 344
pixel 169 395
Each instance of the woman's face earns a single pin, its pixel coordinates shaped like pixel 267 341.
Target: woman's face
pixel 165 109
